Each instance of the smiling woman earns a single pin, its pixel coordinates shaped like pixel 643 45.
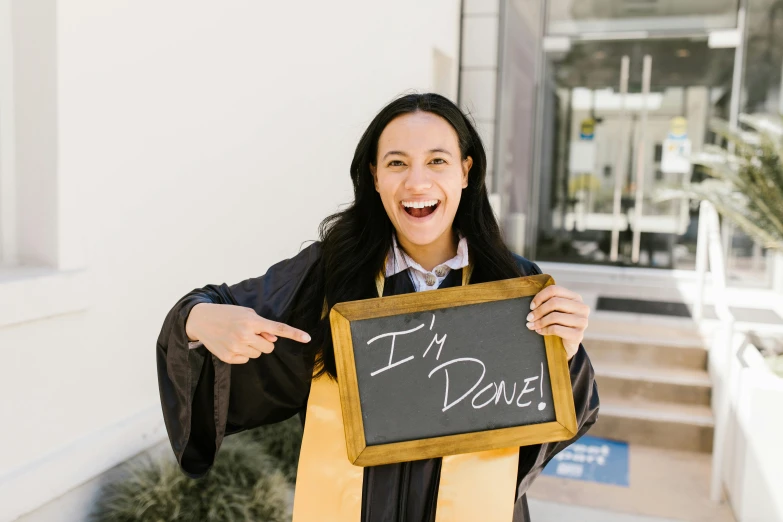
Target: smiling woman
pixel 420 187
pixel 231 358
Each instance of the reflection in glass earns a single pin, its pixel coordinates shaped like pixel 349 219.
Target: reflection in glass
pixel 516 133
pixel 569 17
pixel 600 143
pixel 762 92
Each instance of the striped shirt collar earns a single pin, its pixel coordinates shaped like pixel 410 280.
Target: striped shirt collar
pixel 398 260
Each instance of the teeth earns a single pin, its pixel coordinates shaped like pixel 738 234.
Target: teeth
pixel 420 204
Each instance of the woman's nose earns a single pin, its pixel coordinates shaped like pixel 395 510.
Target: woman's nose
pixel 418 179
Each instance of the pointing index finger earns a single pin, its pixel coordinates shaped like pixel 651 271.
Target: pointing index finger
pixel 284 330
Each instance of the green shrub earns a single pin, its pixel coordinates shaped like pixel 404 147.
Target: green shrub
pixel 244 485
pixel 281 441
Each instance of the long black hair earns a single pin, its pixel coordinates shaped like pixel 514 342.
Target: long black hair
pixel 355 241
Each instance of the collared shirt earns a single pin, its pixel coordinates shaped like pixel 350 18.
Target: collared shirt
pixel 398 260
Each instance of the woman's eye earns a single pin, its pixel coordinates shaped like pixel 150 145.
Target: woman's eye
pixel 439 161
pixel 396 163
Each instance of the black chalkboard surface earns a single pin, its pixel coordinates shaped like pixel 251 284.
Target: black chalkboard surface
pixel 449 371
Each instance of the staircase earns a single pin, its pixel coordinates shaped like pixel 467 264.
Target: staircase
pixel 655 393
pixel 653 385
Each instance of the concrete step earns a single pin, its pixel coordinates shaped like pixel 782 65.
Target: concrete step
pixel 646 352
pixel 651 383
pixel 645 326
pixel 687 427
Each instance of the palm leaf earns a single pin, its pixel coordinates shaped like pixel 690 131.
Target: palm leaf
pixel 748 177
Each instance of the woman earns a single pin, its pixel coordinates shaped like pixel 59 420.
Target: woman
pixel 422 220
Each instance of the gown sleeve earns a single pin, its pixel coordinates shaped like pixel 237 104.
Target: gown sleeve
pixel 533 459
pixel 203 398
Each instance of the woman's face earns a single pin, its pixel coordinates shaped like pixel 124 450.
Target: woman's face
pixel 420 176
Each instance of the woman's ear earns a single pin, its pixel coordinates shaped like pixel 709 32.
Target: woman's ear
pixel 374 172
pixel 467 163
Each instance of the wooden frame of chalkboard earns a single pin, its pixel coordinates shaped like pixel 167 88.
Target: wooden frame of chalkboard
pixel 360 453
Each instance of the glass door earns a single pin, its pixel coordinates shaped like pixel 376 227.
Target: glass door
pixel 624 116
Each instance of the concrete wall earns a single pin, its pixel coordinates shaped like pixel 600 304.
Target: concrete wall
pixel 195 143
pixel 752 460
pixel 498 88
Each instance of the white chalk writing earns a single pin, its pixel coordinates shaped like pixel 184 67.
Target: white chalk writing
pixel 491 394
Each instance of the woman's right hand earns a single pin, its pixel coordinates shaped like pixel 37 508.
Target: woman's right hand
pixel 235 334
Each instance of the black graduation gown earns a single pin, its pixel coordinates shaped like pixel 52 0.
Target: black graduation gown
pixel 204 399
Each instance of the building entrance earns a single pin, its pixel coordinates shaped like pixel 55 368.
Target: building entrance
pixel 620 119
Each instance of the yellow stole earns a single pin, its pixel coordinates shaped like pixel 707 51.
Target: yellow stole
pixel 473 486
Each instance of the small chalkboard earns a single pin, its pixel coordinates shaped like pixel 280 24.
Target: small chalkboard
pixel 449 371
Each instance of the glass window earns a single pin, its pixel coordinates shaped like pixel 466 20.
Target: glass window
pixel 522 23
pixel 762 92
pixel 587 213
pixel 571 17
pixel 764 58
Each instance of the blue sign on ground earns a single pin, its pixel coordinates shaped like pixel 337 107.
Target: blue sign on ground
pixel 594 460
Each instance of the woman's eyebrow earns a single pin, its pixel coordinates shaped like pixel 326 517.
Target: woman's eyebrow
pixel 444 151
pixel 401 153
pixel 391 152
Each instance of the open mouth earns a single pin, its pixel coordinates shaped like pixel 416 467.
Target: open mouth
pixel 420 209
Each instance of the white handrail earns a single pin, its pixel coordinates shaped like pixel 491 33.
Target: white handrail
pixel 708 248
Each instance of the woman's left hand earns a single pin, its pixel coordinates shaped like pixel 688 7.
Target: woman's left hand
pixel 561 312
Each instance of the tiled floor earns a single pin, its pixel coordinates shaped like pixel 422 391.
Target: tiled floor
pixel 668 484
pixel 544 511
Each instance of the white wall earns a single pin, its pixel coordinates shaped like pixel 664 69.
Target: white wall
pixel 753 457
pixel 198 142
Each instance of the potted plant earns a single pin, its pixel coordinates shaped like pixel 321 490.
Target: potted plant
pixel 746 183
